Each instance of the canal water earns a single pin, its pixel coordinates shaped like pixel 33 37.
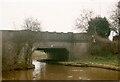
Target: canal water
pixel 45 71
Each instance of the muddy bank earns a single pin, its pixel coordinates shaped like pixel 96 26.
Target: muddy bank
pixel 24 67
pixel 21 67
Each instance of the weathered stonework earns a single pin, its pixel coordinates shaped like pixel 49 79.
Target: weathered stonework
pixel 17 44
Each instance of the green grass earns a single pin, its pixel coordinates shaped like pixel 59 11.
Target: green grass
pixel 111 60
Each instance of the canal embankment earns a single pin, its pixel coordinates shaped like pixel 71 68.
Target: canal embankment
pixel 24 66
pixel 90 65
pixel 110 62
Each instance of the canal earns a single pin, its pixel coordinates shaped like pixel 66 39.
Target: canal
pixel 45 71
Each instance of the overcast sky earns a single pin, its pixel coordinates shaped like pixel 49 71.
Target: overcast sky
pixel 54 15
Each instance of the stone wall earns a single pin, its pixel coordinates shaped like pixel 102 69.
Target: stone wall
pixel 8 51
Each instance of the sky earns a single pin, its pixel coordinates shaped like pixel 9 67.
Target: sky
pixel 54 15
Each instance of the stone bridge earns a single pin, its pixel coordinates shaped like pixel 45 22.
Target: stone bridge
pixel 66 45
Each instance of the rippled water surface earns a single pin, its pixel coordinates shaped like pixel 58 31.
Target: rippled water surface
pixel 45 71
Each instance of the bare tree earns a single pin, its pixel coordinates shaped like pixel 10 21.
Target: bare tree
pixel 82 21
pixel 31 24
pixel 23 39
pixel 115 19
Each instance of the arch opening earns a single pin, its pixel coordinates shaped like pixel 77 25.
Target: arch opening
pixel 52 54
pixel 39 55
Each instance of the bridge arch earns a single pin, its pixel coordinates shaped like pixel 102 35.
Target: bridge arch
pixel 55 54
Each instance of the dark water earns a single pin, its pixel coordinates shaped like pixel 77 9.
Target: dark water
pixel 45 71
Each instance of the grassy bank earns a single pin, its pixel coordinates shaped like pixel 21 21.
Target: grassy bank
pixel 111 60
pixel 100 61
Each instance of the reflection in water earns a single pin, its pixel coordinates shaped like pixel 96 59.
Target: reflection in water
pixel 45 71
pixel 39 70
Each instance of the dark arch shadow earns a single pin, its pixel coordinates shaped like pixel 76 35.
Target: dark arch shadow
pixel 55 54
